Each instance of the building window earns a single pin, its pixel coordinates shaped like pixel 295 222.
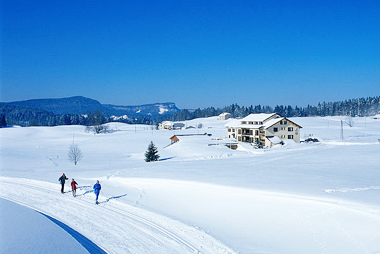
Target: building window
pixel 256 132
pixel 275 129
pixel 229 130
pixel 290 136
pixel 285 122
pixel 239 131
pixel 239 138
pixel 290 128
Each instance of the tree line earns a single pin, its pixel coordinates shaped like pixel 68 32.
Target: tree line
pixel 354 107
pixel 13 115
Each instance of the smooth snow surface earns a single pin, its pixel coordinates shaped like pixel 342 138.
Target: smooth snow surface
pixel 24 230
pixel 203 197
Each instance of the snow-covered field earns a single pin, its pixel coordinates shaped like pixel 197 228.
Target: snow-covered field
pixel 299 198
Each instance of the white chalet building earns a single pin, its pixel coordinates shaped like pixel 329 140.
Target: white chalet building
pixel 168 125
pixel 269 129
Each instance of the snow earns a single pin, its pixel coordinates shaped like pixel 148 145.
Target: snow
pixel 257 117
pixel 162 109
pixel 39 235
pixel 272 122
pixel 275 140
pixel 297 198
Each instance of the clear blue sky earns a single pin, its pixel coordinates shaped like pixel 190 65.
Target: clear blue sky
pixel 194 53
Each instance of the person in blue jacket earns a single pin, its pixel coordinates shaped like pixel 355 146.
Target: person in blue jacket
pixel 97 188
pixel 62 180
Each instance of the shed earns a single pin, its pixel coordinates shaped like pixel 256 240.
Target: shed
pixel 174 139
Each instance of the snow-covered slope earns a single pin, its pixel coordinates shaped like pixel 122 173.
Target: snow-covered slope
pixel 203 197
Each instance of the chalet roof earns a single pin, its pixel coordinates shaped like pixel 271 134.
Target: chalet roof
pixel 254 118
pixel 272 122
pixel 236 123
pixel 233 123
pixel 258 117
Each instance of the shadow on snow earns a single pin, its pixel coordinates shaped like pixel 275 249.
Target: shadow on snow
pixel 108 199
pixel 169 158
pixel 84 241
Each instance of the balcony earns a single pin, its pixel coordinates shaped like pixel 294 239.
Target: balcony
pixel 247 132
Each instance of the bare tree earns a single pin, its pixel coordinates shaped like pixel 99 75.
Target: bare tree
pixel 75 154
pixel 349 121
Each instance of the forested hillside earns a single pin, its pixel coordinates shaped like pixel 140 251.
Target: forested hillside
pixel 26 116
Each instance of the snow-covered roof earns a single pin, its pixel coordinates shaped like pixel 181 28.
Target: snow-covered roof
pixel 257 117
pixel 233 123
pixel 254 118
pixel 272 122
pixel 167 123
pixel 275 140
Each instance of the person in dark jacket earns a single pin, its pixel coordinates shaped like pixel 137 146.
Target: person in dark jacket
pixel 62 180
pixel 97 188
pixel 74 187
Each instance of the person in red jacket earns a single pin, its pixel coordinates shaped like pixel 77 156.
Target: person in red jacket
pixel 74 187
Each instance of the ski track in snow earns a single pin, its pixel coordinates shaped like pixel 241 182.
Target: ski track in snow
pixel 130 230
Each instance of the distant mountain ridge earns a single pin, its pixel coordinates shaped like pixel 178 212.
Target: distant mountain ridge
pixel 83 105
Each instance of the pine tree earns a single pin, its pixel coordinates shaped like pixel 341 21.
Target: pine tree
pixel 3 122
pixel 151 154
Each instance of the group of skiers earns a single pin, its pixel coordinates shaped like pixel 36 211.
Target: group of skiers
pixel 97 187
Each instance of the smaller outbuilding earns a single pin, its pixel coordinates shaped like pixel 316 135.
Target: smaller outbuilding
pixel 168 125
pixel 174 139
pixel 224 116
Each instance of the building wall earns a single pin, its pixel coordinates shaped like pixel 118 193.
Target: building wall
pixel 286 130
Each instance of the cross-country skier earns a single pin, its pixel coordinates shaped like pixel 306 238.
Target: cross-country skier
pixel 74 187
pixel 62 180
pixel 97 188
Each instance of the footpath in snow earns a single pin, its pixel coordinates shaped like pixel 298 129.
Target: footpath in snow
pixel 116 227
